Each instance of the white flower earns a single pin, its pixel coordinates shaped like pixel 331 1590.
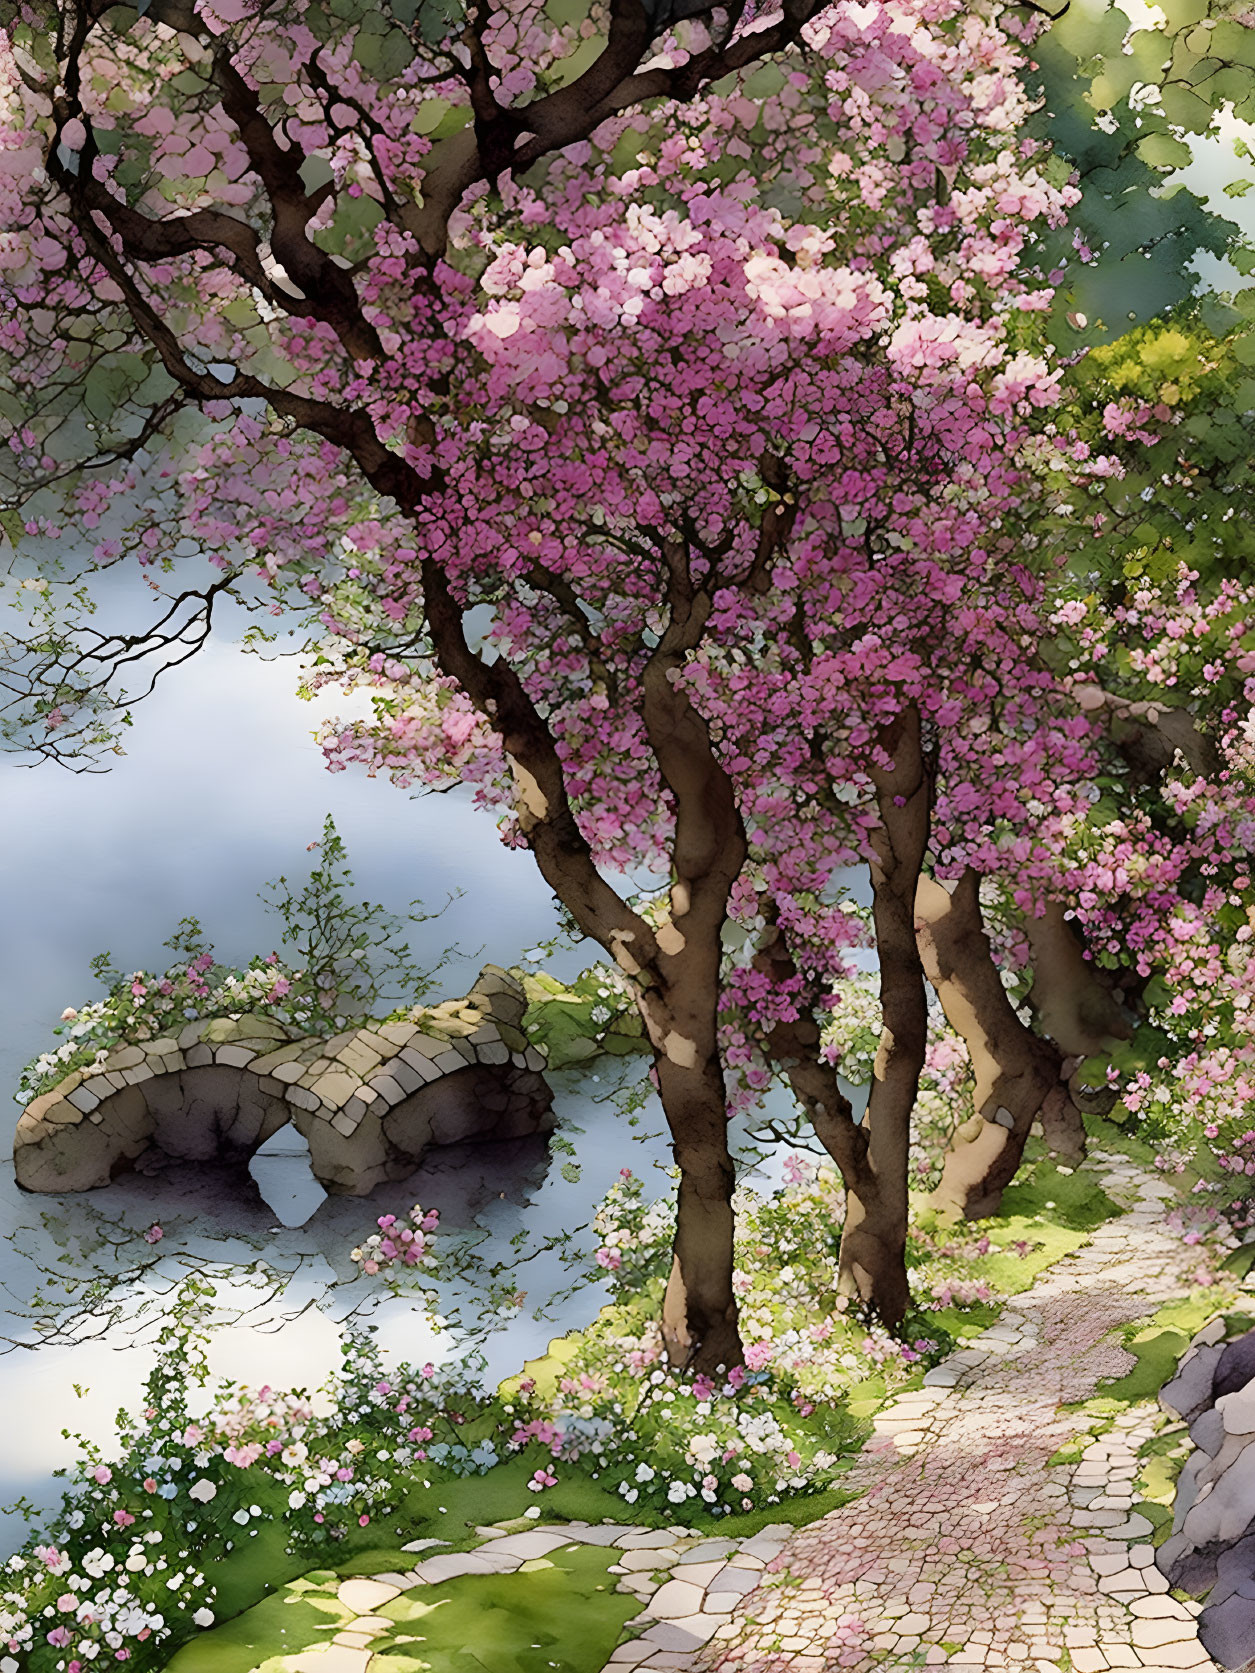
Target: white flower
pixel 702 1448
pixel 295 1454
pixel 676 1493
pixel 644 1473
pixel 203 1490
pixel 296 1499
pixel 742 1483
pixel 204 1617
pixel 532 1512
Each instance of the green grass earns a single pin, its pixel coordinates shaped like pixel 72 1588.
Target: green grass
pixel 1156 1343
pixel 1073 1201
pixel 559 1614
pixel 303 1613
pixel 1112 1136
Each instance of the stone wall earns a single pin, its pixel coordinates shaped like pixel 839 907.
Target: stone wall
pixel 1211 1551
pixel 369 1102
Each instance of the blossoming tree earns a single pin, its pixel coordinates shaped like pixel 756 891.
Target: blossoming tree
pixel 642 406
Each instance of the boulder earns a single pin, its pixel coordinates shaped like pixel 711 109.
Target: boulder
pixel 1191 1389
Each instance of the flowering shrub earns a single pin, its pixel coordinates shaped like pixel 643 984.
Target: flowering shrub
pixel 398 1245
pixel 147 1006
pixel 125 1571
pixel 596 1012
pixel 704 1445
pixel 347 952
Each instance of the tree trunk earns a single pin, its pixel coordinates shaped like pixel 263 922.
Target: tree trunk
pixel 699 1313
pixel 1019 1077
pixel 1068 998
pixel 677 964
pixel 873 1241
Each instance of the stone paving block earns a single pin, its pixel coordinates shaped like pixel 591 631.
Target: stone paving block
pixel 452 1565
pixel 539 1542
pixel 363 1596
pixel 607 1535
pixel 735 1580
pixel 331 1658
pixel 685 1634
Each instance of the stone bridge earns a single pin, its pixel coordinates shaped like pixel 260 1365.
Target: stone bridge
pixel 370 1102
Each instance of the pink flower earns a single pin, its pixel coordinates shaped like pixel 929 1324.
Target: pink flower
pixel 150 1486
pixel 154 1234
pixel 123 1518
pixel 102 1474
pixel 611 1259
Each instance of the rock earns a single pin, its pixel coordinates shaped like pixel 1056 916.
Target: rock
pixel 1224 1513
pixel 1208 1431
pixel 1192 1387
pixel 1236 1367
pixel 1226 1628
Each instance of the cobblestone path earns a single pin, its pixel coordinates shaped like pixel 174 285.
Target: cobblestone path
pixel 968 1550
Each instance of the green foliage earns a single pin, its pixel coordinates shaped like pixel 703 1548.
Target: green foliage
pixel 1118 103
pixel 353 952
pixel 1188 497
pixel 570 1023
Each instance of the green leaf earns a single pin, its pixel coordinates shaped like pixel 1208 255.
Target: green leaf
pixel 111 382
pixel 1163 151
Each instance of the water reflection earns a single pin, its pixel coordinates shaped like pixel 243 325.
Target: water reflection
pixel 282 1173
pixel 83 1294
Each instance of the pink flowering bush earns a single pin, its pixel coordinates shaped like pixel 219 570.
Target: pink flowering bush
pixel 397 1246
pixel 126 1571
pixel 689 1446
pixel 349 950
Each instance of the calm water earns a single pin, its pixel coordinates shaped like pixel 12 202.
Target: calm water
pixel 221 789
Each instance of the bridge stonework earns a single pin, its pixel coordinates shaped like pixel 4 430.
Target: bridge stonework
pixel 370 1102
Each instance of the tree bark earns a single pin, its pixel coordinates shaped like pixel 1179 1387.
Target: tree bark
pixel 700 1328
pixel 1019 1077
pixel 1072 1004
pixel 873 1241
